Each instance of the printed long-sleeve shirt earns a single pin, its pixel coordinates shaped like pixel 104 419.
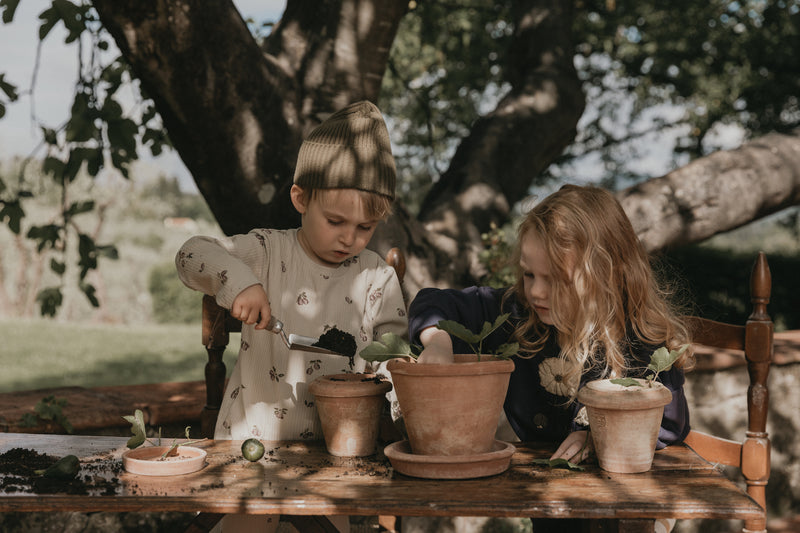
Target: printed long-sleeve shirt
pixel 537 404
pixel 267 394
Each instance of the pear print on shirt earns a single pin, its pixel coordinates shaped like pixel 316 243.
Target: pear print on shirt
pixel 302 298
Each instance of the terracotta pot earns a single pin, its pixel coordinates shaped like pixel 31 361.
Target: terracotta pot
pixel 349 407
pixel 147 460
pixel 624 422
pixel 451 409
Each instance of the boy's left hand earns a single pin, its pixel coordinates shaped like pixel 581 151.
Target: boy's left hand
pixel 575 448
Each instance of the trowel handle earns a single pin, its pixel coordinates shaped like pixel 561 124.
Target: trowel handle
pixel 274 325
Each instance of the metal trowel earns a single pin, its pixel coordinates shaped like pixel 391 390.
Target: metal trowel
pixel 297 342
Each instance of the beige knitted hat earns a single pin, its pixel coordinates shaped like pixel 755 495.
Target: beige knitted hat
pixel 349 150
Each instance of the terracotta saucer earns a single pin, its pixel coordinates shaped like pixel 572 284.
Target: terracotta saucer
pixel 147 461
pixel 449 466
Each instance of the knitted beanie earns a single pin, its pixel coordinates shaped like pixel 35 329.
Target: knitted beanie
pixel 349 150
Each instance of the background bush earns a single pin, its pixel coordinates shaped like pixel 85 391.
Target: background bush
pixel 172 301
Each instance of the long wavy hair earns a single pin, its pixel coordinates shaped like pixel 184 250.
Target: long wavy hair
pixel 604 293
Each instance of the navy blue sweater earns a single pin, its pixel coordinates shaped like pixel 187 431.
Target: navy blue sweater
pixel 534 412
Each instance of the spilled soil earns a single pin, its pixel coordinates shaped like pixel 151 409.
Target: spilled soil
pixel 21 472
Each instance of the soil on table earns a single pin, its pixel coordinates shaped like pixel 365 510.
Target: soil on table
pixel 19 466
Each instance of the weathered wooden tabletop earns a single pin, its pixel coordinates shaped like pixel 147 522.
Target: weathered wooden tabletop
pixel 300 478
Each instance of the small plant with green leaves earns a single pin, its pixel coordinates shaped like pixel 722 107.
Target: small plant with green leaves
pixel 48 408
pixel 139 437
pixel 661 360
pixel 390 345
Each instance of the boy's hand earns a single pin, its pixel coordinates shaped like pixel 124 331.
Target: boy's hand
pixel 575 448
pixel 251 306
pixel 438 347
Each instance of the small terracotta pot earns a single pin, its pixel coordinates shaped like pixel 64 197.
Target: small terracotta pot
pixel 349 407
pixel 624 422
pixel 147 460
pixel 451 409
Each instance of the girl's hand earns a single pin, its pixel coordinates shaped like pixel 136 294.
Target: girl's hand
pixel 575 448
pixel 438 347
pixel 251 306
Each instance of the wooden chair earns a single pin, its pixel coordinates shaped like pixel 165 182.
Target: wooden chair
pixel 217 324
pixel 754 340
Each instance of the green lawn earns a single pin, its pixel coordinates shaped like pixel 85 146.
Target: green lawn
pixel 36 354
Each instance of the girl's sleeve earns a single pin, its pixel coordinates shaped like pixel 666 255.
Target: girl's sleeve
pixel 675 424
pixel 222 267
pixel 471 307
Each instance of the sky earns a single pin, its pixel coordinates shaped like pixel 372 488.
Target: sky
pixel 54 85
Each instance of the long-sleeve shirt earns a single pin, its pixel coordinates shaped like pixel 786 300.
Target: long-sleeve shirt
pixel 267 394
pixel 537 406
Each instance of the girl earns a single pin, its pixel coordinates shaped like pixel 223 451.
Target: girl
pixel 585 305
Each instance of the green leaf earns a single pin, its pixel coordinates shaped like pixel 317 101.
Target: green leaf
pixel 389 346
pixel 458 330
pixel 48 235
pixel 9 89
pixel 80 207
pixel 504 351
pixel 626 382
pixel 57 266
pixel 662 359
pixel 49 18
pixel 53 166
pixel 9 8
pixel 14 213
pixel 89 290
pixel 558 463
pixel 50 300
pixel 137 428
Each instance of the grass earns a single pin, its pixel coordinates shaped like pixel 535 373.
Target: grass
pixel 42 353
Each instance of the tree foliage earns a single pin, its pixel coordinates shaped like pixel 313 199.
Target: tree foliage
pixel 483 98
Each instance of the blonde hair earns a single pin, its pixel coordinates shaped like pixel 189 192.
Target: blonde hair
pixel 604 293
pixel 376 206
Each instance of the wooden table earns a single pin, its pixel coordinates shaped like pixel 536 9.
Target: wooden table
pixel 300 478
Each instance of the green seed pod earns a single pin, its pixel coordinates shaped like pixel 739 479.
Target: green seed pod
pixel 252 450
pixel 65 468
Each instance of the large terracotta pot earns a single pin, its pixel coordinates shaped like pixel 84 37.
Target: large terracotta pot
pixel 624 422
pixel 451 409
pixel 349 407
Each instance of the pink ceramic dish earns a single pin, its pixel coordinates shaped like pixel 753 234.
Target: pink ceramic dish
pixel 147 461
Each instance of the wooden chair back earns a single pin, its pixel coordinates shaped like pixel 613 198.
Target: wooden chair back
pixel 754 340
pixel 217 325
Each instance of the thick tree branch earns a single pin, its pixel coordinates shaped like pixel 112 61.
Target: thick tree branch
pixel 718 193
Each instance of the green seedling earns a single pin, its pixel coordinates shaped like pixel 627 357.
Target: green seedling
pixel 661 360
pixel 390 346
pixel 475 340
pixel 65 468
pixel 139 437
